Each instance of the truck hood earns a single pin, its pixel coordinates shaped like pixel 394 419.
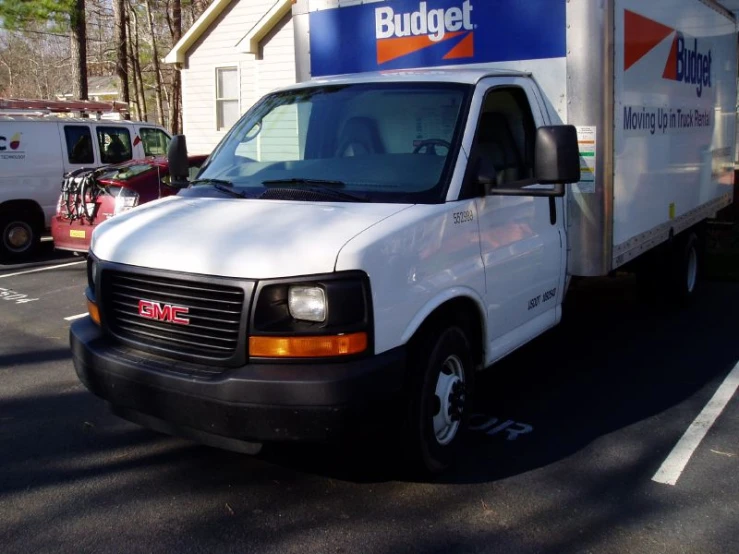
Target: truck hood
pixel 243 238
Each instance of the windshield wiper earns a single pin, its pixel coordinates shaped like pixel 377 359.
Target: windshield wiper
pixel 212 182
pixel 220 185
pixel 300 181
pixel 325 186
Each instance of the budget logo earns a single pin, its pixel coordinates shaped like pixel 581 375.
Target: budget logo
pixel 689 61
pixel 401 34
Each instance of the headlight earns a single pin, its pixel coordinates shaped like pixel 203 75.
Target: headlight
pixel 92 272
pixel 318 316
pixel 307 303
pixel 334 304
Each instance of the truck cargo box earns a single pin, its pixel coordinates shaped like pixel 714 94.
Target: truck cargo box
pixel 651 86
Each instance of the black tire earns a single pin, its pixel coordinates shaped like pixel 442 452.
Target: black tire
pixel 686 268
pixel 20 235
pixel 434 353
pixel 671 274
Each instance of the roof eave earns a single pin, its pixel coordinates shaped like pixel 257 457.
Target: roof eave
pixel 179 50
pixel 249 44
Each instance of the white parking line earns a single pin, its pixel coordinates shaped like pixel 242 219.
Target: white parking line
pixel 73 317
pixel 675 463
pixel 41 269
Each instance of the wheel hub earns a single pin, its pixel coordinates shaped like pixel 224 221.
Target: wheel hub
pixel 449 400
pixel 456 401
pixel 17 237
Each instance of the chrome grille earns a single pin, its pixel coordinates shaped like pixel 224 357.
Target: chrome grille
pixel 214 313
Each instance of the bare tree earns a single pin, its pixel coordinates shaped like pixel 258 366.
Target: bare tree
pixel 68 13
pixel 132 67
pixel 136 61
pixel 155 61
pixel 79 49
pixel 121 62
pixel 49 41
pixel 33 64
pixel 175 103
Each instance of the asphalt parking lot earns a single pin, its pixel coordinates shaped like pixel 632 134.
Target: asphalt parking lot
pixel 572 437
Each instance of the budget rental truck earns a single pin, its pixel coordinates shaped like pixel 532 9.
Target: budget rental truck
pixel 360 245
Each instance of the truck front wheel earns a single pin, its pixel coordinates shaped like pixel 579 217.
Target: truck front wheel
pixel 440 393
pixel 19 235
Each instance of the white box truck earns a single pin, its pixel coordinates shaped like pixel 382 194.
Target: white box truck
pixel 359 246
pixel 36 152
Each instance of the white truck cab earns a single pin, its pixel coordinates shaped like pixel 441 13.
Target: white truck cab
pixel 365 244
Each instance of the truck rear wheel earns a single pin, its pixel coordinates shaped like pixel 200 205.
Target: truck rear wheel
pixel 671 273
pixel 686 267
pixel 20 235
pixel 438 411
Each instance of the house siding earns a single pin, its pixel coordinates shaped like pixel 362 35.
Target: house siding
pixel 272 68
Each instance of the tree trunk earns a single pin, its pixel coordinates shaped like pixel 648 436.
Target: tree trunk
pixel 132 72
pixel 121 62
pixel 157 66
pixel 141 92
pixel 10 78
pixel 176 103
pixel 47 91
pixel 79 49
pixel 37 73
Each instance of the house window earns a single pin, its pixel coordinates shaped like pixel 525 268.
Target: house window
pixel 227 97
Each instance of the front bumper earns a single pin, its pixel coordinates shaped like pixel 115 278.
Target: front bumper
pixel 257 402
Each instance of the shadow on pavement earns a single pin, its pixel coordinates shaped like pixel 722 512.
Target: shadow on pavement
pixel 613 362
pixel 45 255
pixel 75 478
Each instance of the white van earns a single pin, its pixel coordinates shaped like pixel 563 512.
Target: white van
pixel 36 152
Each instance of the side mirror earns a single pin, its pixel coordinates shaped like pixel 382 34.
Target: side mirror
pixel 557 155
pixel 178 165
pixel 487 175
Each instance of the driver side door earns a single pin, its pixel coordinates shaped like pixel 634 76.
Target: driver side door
pixel 520 236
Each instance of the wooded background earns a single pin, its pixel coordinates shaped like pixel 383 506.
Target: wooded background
pixel 51 47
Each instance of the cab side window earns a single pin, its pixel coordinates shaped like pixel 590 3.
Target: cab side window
pixel 115 144
pixel 155 141
pixel 79 144
pixel 506 134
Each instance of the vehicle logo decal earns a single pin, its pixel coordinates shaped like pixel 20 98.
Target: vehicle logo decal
pixel 686 62
pixel 167 313
pixel 402 34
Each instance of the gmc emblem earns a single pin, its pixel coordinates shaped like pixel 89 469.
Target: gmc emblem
pixel 163 312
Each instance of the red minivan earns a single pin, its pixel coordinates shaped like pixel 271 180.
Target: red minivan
pixel 106 192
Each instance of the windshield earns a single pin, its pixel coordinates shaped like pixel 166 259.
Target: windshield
pixel 126 172
pixel 393 142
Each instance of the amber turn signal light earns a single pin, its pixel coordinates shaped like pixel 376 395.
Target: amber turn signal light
pixel 92 309
pixel 308 347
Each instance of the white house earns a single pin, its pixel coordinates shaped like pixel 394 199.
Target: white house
pixel 234 53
